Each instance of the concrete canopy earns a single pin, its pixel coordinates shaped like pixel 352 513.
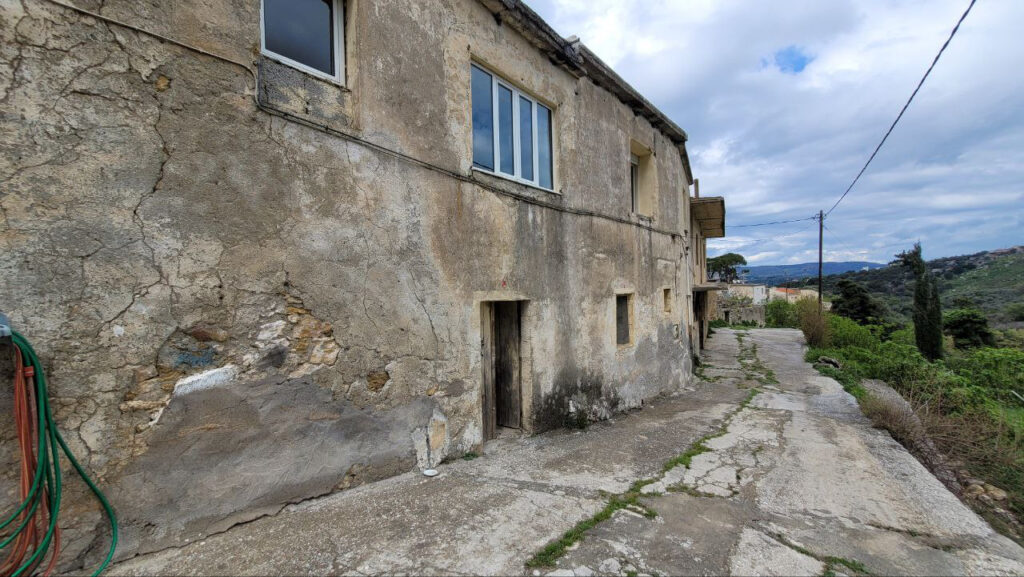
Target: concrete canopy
pixel 709 213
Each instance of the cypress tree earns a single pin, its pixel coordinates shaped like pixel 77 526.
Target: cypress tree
pixel 927 309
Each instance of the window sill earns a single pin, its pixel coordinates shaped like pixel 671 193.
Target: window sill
pixel 305 69
pixel 519 181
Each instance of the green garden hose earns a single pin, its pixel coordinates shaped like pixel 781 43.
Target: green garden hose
pixel 46 488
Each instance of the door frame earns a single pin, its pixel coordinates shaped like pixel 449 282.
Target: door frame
pixel 484 323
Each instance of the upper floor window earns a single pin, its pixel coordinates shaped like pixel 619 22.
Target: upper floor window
pixel 306 34
pixel 511 131
pixel 642 180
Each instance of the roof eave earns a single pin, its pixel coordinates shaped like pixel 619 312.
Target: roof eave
pixel 580 61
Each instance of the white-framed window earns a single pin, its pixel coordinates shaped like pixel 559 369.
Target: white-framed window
pixel 305 34
pixel 512 132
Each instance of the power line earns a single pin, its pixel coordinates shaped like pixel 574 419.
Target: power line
pixel 776 222
pixel 905 106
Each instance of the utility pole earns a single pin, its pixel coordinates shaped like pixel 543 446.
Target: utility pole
pixel 821 228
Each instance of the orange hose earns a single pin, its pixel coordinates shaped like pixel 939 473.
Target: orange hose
pixel 27 427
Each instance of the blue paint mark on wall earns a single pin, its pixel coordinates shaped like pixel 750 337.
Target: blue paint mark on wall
pixel 201 356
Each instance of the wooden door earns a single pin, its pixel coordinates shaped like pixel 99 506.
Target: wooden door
pixel 507 364
pixel 487 330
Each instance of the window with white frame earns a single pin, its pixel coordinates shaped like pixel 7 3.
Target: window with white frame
pixel 305 34
pixel 511 131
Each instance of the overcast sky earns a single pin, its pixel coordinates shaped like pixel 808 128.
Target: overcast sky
pixel 785 100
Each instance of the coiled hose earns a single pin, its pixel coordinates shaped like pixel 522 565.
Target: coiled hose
pixel 40 443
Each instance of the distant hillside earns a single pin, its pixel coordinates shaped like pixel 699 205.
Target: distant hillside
pixel 992 280
pixel 777 274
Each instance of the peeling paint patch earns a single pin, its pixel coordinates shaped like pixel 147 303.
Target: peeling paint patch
pixel 205 380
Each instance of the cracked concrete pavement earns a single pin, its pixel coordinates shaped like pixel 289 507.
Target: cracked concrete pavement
pixel 796 482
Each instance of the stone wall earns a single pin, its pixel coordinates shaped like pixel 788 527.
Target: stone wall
pixel 252 287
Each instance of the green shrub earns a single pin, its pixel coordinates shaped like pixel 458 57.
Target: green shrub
pixel 998 370
pixel 718 324
pixel 780 314
pixel 969 328
pixel 1010 339
pixel 904 336
pixel 1016 311
pixel 847 333
pixel 812 322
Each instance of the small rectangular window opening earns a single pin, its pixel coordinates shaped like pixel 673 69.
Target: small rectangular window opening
pixel 623 319
pixel 668 300
pixel 305 34
pixel 511 131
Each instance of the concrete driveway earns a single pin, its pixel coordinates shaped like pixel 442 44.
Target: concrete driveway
pixel 794 481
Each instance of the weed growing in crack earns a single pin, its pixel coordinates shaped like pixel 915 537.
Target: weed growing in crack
pixel 700 374
pixel 630 499
pixel 831 562
pixel 754 368
pixel 547 556
pixel 851 564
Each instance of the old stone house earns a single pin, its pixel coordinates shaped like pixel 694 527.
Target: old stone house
pixel 756 293
pixel 270 250
pixel 742 304
pixel 791 294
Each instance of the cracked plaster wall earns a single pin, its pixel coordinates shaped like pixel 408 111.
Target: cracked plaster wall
pixel 238 311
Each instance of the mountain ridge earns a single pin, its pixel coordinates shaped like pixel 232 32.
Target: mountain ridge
pixel 777 274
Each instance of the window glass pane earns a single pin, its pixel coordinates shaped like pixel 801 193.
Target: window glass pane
pixel 483 120
pixel 545 170
pixel 506 146
pixel 302 30
pixel 526 138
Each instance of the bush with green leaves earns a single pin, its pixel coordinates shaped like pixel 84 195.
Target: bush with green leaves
pixel 969 328
pixel 904 336
pixel 844 332
pixel 856 303
pixel 781 314
pixel 998 370
pixel 1015 311
pixel 812 322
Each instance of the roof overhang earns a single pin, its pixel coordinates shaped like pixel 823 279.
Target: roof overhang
pixel 709 212
pixel 710 286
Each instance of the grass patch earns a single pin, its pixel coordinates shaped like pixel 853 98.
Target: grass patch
pixel 851 383
pixel 686 458
pixel 469 456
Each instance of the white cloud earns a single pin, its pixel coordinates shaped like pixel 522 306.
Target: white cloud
pixel 780 145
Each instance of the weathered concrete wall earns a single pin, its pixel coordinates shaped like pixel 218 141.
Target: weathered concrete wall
pixel 239 310
pixel 738 310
